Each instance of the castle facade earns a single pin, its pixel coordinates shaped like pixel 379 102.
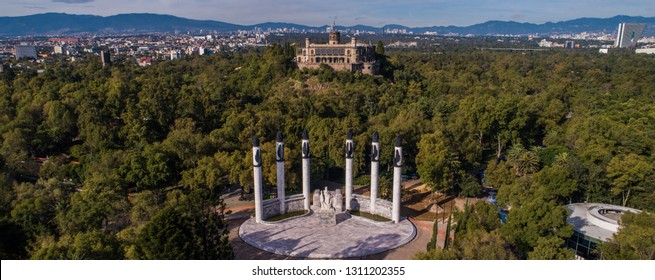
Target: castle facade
pixel 354 56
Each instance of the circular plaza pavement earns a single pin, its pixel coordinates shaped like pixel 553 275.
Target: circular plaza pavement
pixel 351 237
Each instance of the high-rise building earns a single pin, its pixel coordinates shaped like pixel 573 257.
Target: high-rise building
pixel 25 51
pixel 569 44
pixel 106 58
pixel 628 35
pixel 177 54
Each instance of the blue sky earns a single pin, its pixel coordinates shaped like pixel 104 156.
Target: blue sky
pixel 347 12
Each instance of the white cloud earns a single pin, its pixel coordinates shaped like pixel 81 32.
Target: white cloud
pixel 72 1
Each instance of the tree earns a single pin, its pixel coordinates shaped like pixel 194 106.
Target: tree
pixel 14 149
pixel 470 186
pixel 635 239
pixel 36 206
pixel 185 142
pixel 190 229
pixel 556 181
pixel 379 49
pixel 484 215
pixel 524 161
pixel 60 121
pixel 432 245
pixel 52 168
pixel 12 240
pixel 628 174
pixel 207 174
pixel 438 167
pixel 551 248
pixel 238 166
pixel 474 245
pixel 534 220
pixel 94 207
pixel 92 245
pixel 153 168
pixel 499 173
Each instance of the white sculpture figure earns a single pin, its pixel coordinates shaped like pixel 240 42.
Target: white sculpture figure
pixel 326 200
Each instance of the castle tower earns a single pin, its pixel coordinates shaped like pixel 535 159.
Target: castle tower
pixel 335 36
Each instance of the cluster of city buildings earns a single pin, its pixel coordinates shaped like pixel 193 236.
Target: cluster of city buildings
pixel 350 56
pixel 627 36
pixel 140 48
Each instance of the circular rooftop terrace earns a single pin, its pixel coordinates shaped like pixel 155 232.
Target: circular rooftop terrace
pixel 597 220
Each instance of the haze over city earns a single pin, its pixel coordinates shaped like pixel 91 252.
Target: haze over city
pixel 367 12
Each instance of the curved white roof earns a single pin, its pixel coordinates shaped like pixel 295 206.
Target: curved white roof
pixel 596 220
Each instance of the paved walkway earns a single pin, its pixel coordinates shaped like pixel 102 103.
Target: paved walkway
pixel 305 237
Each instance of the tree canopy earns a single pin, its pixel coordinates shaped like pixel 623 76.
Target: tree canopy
pixel 79 142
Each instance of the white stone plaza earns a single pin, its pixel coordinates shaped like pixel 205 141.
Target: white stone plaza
pixel 351 237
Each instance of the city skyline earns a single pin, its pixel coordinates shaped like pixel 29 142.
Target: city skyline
pixel 413 13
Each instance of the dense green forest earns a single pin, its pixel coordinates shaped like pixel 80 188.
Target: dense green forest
pixel 135 156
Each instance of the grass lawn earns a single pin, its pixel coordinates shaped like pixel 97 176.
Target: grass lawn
pixel 286 216
pixel 369 216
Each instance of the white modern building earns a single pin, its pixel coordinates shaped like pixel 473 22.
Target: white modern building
pixel 177 54
pixel 628 35
pixel 593 223
pixel 646 51
pixel 61 49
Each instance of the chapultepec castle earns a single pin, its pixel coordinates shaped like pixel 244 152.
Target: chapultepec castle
pixel 353 56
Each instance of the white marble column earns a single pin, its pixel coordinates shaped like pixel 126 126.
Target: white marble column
pixel 397 171
pixel 305 168
pixel 375 169
pixel 279 161
pixel 257 176
pixel 350 149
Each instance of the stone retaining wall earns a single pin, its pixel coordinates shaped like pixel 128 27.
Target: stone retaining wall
pixel 271 207
pixel 363 204
pixel 295 203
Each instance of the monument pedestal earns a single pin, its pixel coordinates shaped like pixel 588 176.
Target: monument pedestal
pixel 327 217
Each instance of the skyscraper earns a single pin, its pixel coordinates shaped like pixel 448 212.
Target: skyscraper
pixel 628 34
pixel 105 57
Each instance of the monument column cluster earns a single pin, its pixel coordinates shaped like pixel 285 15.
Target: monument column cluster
pixel 279 161
pixel 375 167
pixel 397 170
pixel 350 149
pixel 257 168
pixel 349 154
pixel 305 168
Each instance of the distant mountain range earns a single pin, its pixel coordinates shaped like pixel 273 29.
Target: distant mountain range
pixel 63 24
